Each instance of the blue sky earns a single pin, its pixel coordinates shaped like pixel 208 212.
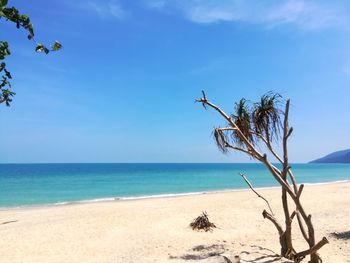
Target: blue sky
pixel 123 87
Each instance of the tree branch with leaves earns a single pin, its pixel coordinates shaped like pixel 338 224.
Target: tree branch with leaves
pixel 261 125
pixel 21 21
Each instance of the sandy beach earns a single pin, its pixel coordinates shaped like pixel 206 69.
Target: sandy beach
pixel 157 230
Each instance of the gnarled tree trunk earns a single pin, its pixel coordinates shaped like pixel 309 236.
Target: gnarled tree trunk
pixel 246 131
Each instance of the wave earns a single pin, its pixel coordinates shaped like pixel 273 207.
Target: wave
pixel 156 196
pixel 328 182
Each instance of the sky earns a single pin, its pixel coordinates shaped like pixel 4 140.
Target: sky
pixel 123 87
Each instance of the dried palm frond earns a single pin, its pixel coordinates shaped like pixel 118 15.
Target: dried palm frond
pixel 267 116
pixel 220 139
pixel 242 118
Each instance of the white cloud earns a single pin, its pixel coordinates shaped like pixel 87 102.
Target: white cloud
pixel 308 15
pixel 202 14
pixel 157 4
pixel 107 9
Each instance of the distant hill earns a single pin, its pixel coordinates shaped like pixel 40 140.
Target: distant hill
pixel 336 157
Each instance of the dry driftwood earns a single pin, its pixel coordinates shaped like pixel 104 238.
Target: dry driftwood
pixel 202 223
pixel 249 132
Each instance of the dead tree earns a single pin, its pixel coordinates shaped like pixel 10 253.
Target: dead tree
pixel 261 126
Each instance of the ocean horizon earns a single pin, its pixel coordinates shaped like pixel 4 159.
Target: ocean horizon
pixel 63 183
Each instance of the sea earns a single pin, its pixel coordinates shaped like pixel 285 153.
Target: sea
pixel 23 185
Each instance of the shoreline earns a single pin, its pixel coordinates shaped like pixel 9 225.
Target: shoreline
pixel 153 197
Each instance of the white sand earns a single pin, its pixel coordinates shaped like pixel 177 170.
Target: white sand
pixel 156 230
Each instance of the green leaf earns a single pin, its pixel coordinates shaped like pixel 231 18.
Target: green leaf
pixel 57 46
pixel 3 2
pixel 39 48
pixel 7 73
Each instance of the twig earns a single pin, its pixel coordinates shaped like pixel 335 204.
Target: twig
pixel 252 188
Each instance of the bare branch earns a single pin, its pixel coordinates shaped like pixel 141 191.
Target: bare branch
pixel 277 175
pixel 293 215
pixel 227 129
pixel 294 183
pixel 312 250
pixel 237 149
pixel 204 96
pixel 287 217
pixel 268 145
pixel 300 191
pixel 252 188
pixel 302 228
pixel 202 100
pixel 274 221
pixel 285 140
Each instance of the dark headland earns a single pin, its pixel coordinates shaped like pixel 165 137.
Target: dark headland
pixel 336 157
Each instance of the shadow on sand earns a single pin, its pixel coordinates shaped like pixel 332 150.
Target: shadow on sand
pixel 8 222
pixel 202 252
pixel 217 252
pixel 261 255
pixel 341 235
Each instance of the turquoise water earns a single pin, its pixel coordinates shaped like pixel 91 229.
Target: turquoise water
pixel 35 184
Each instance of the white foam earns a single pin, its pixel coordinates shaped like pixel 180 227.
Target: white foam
pixel 126 198
pixel 129 198
pixel 329 182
